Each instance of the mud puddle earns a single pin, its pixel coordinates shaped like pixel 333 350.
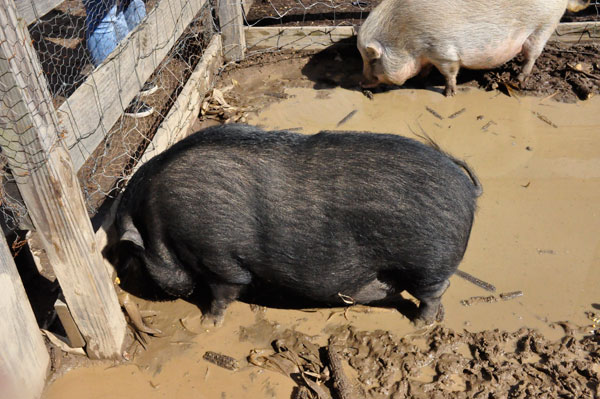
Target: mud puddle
pixel 537 230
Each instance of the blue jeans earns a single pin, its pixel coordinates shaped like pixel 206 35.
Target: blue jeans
pixel 107 24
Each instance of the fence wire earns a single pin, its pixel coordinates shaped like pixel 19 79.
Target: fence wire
pixel 330 14
pixel 113 70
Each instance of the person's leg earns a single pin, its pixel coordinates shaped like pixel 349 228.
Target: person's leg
pixel 102 26
pixel 134 13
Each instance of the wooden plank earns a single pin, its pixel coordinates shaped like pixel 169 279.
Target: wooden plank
pixel 577 32
pixel 32 10
pixel 319 37
pixel 187 107
pixel 50 189
pixel 66 319
pixel 175 126
pixel 24 360
pixel 296 37
pixel 88 114
pixel 231 22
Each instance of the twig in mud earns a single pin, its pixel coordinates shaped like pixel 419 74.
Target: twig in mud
pixel 589 75
pixel 544 119
pixel 432 112
pixel 346 118
pixel 454 115
pixel 321 394
pixel 549 97
pixel 478 299
pixel 487 125
pixel 506 296
pixel 472 279
pixel 227 362
pixel 341 383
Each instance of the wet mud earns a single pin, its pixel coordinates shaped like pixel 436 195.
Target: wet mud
pixel 536 238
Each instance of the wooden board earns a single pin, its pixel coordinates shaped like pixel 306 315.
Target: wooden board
pixel 48 184
pixel 577 32
pixel 231 22
pixel 187 107
pixel 319 37
pixel 31 10
pixel 175 126
pixel 24 360
pixel 89 113
pixel 296 37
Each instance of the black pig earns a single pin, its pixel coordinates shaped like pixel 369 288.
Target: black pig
pixel 359 214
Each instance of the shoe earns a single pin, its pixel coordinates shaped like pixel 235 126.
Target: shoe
pixel 148 88
pixel 138 109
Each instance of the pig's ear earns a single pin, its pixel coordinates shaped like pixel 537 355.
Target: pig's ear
pixel 374 50
pixel 133 236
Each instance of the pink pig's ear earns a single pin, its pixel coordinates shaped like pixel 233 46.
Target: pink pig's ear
pixel 374 50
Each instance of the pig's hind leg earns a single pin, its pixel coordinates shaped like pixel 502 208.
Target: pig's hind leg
pixel 532 49
pixel 430 306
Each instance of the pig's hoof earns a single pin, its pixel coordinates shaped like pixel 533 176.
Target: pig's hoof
pixel 209 321
pixel 522 77
pixel 423 322
pixel 449 91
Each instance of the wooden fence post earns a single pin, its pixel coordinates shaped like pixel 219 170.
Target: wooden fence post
pixel 48 184
pixel 231 22
pixel 24 360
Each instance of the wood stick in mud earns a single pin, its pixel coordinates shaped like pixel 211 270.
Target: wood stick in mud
pixel 227 362
pixel 346 118
pixel 343 386
pixel 476 281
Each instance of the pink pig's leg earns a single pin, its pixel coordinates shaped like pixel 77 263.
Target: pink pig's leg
pixel 532 48
pixel 449 69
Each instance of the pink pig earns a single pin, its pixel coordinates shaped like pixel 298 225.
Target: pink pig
pixel 401 37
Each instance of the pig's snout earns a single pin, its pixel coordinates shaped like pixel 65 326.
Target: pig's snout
pixel 369 83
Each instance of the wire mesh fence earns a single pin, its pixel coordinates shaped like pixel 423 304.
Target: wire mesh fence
pixel 112 70
pixel 337 19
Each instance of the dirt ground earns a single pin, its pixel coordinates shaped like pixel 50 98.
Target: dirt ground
pixel 535 237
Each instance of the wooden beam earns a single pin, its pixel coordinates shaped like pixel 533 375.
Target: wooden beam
pixel 319 37
pixel 296 37
pixel 24 360
pixel 32 10
pixel 89 113
pixel 231 21
pixel 187 107
pixel 174 127
pixel 47 181
pixel 577 32
pixel 66 319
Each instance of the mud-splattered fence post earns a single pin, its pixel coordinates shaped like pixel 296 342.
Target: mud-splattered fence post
pixel 24 360
pixel 231 22
pixel 42 168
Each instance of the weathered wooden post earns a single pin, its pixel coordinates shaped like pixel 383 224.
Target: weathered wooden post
pixel 24 360
pixel 42 168
pixel 231 22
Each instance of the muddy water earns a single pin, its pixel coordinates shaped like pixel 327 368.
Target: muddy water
pixel 537 230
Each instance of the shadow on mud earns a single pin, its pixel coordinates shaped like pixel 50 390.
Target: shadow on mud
pixel 135 280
